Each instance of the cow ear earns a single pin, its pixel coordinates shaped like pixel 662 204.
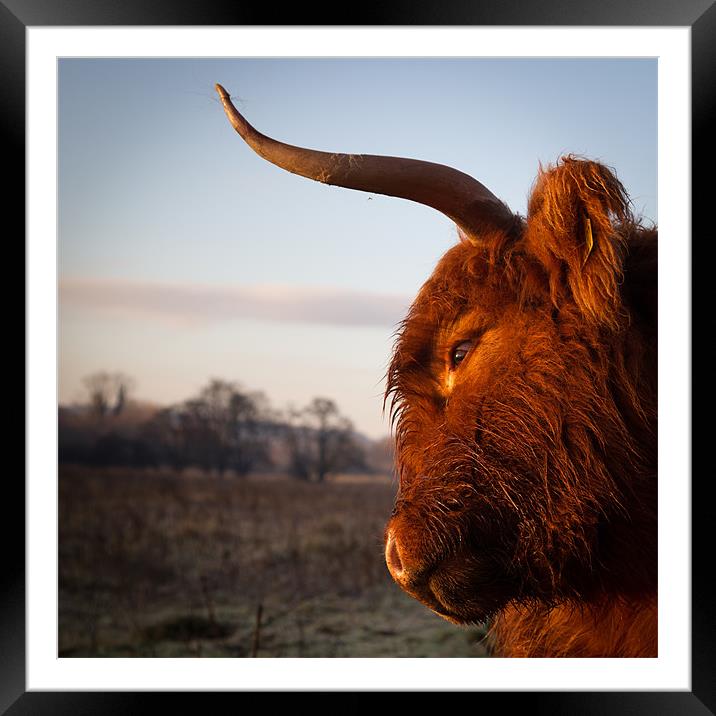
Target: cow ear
pixel 576 216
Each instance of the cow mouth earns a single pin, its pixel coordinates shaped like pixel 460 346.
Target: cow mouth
pixel 470 594
pixel 429 595
pixel 446 612
pixel 462 588
pixel 472 610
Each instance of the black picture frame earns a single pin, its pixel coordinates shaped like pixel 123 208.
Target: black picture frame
pixel 699 15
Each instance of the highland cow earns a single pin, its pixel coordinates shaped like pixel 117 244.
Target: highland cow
pixel 522 391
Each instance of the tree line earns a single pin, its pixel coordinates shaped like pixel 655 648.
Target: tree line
pixel 224 429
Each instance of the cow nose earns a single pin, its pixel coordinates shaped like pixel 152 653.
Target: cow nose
pixel 392 558
pixel 408 570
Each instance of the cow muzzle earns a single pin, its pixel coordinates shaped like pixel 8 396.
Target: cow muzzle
pixel 413 573
pixel 459 585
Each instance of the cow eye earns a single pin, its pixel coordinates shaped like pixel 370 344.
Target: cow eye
pixel 459 353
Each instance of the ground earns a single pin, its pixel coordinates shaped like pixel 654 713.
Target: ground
pixel 154 563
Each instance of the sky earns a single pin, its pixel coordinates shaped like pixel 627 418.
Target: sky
pixel 183 256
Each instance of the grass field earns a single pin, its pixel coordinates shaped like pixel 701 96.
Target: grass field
pixel 159 564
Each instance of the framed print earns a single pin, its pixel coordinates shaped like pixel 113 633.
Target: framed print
pixel 92 86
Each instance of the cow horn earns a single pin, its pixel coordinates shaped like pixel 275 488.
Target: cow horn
pixel 457 195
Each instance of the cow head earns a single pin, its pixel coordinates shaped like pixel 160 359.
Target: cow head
pixel 523 393
pixel 522 388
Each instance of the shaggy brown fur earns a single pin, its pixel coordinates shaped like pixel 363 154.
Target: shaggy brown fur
pixel 528 470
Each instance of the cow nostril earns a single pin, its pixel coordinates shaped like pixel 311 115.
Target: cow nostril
pixel 392 557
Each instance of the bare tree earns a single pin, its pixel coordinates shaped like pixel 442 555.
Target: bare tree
pixel 166 435
pixel 223 428
pixel 320 441
pixel 251 422
pixel 107 392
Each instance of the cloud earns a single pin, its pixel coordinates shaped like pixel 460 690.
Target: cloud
pixel 204 304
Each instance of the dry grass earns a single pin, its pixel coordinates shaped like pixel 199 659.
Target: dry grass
pixel 156 564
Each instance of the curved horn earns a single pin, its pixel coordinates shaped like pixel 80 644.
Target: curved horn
pixel 457 195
